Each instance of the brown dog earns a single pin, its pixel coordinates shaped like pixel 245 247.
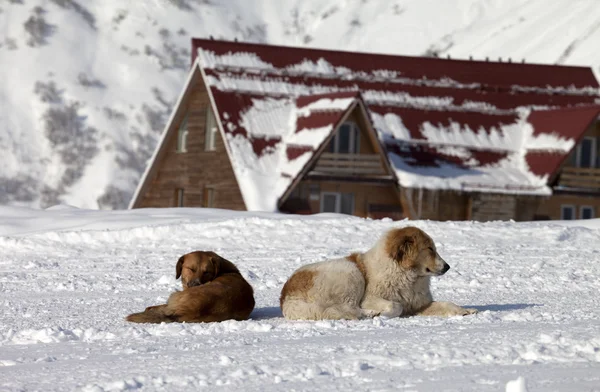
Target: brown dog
pixel 213 290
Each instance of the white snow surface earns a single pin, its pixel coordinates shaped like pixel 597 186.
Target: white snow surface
pixel 101 77
pixel 68 277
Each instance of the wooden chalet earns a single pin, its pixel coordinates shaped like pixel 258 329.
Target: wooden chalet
pixel 271 128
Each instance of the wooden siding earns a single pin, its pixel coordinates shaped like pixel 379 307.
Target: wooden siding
pixel 435 204
pixel 375 200
pixel 195 170
pixel 358 165
pixel 366 144
pixel 368 163
pixel 580 177
pixel 457 206
pixel 551 208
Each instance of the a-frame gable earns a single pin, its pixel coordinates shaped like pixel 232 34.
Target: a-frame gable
pixel 357 110
pixel 558 126
pixel 177 115
pixel 199 171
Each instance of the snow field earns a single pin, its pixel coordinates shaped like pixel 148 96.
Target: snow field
pixel 68 277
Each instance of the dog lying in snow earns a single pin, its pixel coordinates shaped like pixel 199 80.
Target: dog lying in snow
pixel 213 290
pixel 391 279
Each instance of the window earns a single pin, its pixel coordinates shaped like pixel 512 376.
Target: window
pixel 346 139
pixel 337 202
pixel 314 191
pixel 182 135
pixel 586 152
pixel 179 197
pixel 210 130
pixel 209 196
pixel 586 212
pixel 567 212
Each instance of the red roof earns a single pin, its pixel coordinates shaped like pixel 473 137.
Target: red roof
pixel 445 123
pixel 568 123
pixel 491 74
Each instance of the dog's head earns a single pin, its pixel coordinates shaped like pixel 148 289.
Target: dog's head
pixel 413 249
pixel 197 268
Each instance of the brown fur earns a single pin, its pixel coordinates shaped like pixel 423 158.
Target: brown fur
pixel 405 245
pixel 300 282
pixel 213 290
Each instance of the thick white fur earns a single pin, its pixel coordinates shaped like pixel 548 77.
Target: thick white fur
pixel 339 289
pixel 331 298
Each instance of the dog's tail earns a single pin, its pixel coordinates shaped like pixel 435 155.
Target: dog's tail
pixel 154 316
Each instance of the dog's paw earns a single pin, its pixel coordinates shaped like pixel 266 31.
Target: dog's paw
pixel 394 310
pixel 468 311
pixel 369 313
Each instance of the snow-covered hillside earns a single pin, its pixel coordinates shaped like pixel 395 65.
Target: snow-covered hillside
pixel 86 86
pixel 68 277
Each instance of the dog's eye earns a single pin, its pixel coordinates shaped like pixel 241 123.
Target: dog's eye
pixel 431 249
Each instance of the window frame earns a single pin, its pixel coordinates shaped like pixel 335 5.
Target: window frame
pixel 573 211
pixel 354 138
pixel 210 130
pixel 591 208
pixel 179 197
pixel 338 202
pixel 208 196
pixel 593 152
pixel 182 136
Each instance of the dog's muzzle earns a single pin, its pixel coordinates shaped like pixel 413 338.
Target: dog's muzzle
pixel 445 269
pixel 194 282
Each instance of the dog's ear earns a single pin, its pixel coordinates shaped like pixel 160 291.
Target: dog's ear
pixel 405 249
pixel 179 267
pixel 215 260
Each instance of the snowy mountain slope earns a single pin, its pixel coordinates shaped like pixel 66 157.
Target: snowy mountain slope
pixel 69 276
pixel 86 87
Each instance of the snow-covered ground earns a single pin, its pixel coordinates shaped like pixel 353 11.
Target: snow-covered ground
pixel 68 277
pixel 87 86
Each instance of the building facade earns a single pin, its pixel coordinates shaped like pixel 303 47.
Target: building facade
pixel 295 130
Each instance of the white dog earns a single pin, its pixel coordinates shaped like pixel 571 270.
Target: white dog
pixel 391 279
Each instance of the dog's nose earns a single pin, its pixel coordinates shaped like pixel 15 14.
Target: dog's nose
pixel 194 282
pixel 446 268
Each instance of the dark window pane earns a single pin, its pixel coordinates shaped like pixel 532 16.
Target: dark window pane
pixel 587 213
pixel 329 202
pixel 347 203
pixel 585 159
pixel 572 160
pixel 344 139
pixel 331 147
pixel 356 140
pixel 567 213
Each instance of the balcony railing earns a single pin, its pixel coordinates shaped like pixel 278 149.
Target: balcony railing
pixel 580 177
pixel 362 165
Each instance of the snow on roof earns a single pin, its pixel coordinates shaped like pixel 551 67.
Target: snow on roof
pixel 446 124
pixel 272 139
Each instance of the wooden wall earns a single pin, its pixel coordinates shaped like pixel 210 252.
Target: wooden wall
pixel 551 208
pixel 456 206
pixel 366 146
pixel 368 197
pixel 195 169
pixel 435 204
